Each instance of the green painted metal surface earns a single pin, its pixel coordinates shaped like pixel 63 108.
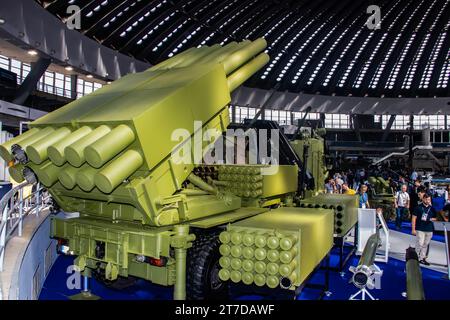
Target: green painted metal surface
pixel 108 157
pixel 279 248
pixel 252 183
pixel 345 209
pixel 315 162
pixel 108 154
pixel 231 216
pixel 382 195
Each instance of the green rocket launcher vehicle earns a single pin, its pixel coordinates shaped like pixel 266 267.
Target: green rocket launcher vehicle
pixel 109 157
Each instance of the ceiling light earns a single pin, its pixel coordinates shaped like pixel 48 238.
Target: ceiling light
pixel 32 52
pixel 69 68
pixel 90 76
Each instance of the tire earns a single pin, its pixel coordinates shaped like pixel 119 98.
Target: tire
pixel 202 280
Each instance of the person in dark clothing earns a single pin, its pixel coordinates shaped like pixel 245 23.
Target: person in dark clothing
pixel 422 227
pixel 414 195
pixel 350 179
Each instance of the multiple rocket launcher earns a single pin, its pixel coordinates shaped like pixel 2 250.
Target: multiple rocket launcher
pixel 108 156
pixel 115 144
pixel 77 157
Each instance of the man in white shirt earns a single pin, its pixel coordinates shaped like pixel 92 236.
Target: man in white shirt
pixel 402 202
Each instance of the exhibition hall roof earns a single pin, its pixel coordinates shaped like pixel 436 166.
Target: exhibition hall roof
pixel 325 47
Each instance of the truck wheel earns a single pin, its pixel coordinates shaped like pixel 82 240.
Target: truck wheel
pixel 202 280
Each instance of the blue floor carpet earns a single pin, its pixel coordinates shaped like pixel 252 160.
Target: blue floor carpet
pixel 393 285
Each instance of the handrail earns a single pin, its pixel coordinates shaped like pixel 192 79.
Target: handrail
pixel 14 208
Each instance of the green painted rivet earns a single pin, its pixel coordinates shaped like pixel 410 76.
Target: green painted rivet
pixel 248 239
pixel 272 268
pixel 236 251
pixel 260 280
pixel 286 243
pixel 236 238
pixel 236 264
pixel 224 262
pixel 235 276
pixel 224 274
pixel 272 282
pixel 260 241
pixel 260 267
pixel 260 254
pixel 273 242
pixel 225 237
pixel 224 250
pixel 247 278
pixel 273 255
pixel 248 252
pixel 247 265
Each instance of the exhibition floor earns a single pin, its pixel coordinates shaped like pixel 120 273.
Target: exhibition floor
pixel 393 284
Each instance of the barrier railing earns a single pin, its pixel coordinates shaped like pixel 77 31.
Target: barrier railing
pixel 14 208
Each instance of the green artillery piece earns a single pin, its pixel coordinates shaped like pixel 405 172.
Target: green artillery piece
pixel 110 156
pixel 312 153
pixel 382 196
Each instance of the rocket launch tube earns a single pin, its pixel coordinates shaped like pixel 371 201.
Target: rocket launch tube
pixel 414 284
pixel 245 72
pixel 85 177
pixel 75 152
pixel 67 176
pixel 37 151
pixel 107 147
pixel 56 151
pixel 5 148
pixel 240 57
pixel 15 172
pixel 118 170
pixel 47 173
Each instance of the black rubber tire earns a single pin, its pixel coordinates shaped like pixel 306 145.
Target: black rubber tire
pixel 202 279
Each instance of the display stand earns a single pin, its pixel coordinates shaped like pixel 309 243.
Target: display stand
pixel 363 293
pixel 369 221
pixel 445 227
pixel 373 281
pixel 340 243
pixel 86 293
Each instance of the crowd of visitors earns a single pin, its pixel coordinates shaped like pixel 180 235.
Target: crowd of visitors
pixel 413 200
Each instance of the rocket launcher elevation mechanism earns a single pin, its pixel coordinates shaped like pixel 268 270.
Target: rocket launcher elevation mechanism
pixel 109 153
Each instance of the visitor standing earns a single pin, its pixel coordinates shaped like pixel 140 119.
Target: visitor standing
pixel 422 227
pixel 402 201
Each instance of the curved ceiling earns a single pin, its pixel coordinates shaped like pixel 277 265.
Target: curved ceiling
pixel 316 46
